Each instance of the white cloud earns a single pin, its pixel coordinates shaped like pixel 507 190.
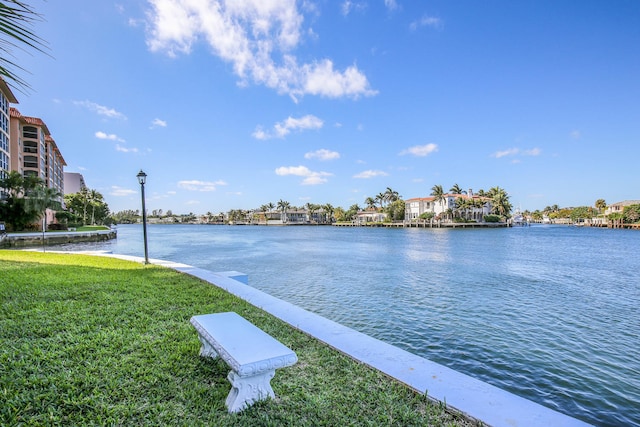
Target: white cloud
pixel 310 177
pixel 427 21
pixel 322 154
pixel 575 134
pixel 532 152
pixel 125 149
pixel 157 123
pixel 101 110
pixel 121 192
pixel 391 4
pixel 517 152
pixel 249 35
pixel 110 137
pixel 420 150
pixel 285 127
pixel 370 174
pixel 503 153
pixel 348 5
pixel 195 185
pixel 321 79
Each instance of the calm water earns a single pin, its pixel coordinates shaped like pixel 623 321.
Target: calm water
pixel 547 312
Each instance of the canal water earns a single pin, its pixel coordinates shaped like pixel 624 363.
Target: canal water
pixel 549 313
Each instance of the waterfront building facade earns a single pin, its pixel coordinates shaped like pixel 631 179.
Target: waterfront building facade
pixel 6 98
pixel 73 183
pixel 34 152
pixel 619 206
pixel 475 209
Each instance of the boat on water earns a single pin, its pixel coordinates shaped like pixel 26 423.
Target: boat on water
pixel 519 219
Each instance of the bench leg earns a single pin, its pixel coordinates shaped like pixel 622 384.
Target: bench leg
pixel 206 350
pixel 247 390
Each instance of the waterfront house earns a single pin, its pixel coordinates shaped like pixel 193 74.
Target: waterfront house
pixel 619 207
pixel 370 215
pixel 447 208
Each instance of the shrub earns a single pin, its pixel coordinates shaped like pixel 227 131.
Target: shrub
pixel 491 218
pixel 57 227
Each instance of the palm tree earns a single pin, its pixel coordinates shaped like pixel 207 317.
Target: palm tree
pixel 479 203
pixel 370 202
pixel 601 205
pixel 353 211
pixel 391 195
pixel 39 200
pixel 13 183
pixel 381 198
pixel 264 209
pixel 311 208
pixel 84 193
pixel 283 206
pixel 456 189
pixel 329 209
pixel 462 206
pixel 94 197
pixel 500 202
pixel 438 195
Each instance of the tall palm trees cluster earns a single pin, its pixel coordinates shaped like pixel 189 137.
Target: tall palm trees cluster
pixel 383 199
pixel 87 205
pixel 284 207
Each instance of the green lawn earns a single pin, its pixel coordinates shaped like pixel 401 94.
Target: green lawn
pixel 100 341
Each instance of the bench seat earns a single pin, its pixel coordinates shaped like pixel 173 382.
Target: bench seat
pixel 252 354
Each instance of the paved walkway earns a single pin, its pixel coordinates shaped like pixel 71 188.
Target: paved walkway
pixel 477 399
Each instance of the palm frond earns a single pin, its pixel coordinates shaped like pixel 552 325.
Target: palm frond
pixel 16 20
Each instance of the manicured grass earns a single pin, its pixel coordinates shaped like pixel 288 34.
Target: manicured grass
pixel 92 228
pixel 100 341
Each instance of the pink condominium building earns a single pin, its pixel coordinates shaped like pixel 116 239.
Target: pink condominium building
pixel 27 147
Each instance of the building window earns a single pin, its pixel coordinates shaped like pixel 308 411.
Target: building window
pixel 30 132
pixel 30 147
pixel 30 162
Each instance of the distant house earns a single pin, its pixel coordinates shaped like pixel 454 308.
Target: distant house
pixel 446 208
pixel 372 215
pixel 619 207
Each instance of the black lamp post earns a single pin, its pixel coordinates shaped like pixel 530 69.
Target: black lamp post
pixel 142 178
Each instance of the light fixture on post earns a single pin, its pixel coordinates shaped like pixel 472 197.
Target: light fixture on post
pixel 142 179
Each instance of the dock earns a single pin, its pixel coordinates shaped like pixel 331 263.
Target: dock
pixel 423 224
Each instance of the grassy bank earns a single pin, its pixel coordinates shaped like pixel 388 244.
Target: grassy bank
pixel 95 341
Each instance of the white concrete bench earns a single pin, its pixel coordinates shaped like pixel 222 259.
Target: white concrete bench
pixel 252 354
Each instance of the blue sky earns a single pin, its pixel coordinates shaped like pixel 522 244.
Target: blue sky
pixel 231 105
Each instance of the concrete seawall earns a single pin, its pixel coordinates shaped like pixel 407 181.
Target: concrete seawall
pixel 25 240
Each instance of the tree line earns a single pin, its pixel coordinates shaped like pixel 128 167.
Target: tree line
pixel 25 200
pixel 629 215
